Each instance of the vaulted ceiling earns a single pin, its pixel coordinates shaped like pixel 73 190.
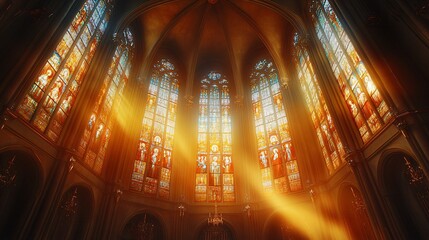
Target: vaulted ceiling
pixel 224 35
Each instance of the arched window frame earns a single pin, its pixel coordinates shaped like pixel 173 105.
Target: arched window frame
pixel 96 136
pixel 276 152
pixel 152 171
pixel 365 103
pixel 327 135
pixel 214 167
pixel 51 97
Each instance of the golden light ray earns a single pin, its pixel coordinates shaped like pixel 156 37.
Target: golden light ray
pixel 123 112
pixel 303 216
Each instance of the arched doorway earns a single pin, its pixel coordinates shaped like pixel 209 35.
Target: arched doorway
pixel 73 214
pixel 143 226
pixel 278 229
pixel 407 194
pixel 355 214
pixel 215 232
pixel 20 181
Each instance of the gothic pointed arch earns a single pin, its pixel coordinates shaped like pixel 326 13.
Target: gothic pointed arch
pixel 47 104
pixel 20 186
pixel 96 136
pixel 358 88
pixel 277 159
pixel 215 232
pixel 407 193
pixel 327 135
pixel 73 215
pixel 214 170
pixel 277 228
pixel 153 161
pixel 143 226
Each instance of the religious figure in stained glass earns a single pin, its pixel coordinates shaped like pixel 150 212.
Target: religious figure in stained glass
pixel 359 90
pixel 49 101
pixel 214 165
pixel 154 153
pixel 332 148
pixel 96 136
pixel 277 161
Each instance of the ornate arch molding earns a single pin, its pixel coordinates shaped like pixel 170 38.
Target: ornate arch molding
pixel 385 159
pixel 21 190
pixel 29 152
pixel 203 224
pixel 82 185
pixel 287 229
pixel 123 225
pixel 74 214
pixel 405 191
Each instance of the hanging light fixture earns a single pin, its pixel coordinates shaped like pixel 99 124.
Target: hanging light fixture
pixel 182 209
pixel 71 205
pixel 217 218
pixel 8 174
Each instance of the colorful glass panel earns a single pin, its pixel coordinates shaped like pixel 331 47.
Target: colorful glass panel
pixel 96 136
pixel 327 134
pixel 277 159
pixel 214 160
pixel 365 102
pixel 152 166
pixel 49 101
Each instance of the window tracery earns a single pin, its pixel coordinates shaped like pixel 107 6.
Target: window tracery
pixel 96 136
pixel 326 131
pixel 277 158
pixel 53 93
pixel 153 162
pixel 364 100
pixel 215 172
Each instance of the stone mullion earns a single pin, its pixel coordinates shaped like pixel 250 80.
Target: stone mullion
pixel 348 135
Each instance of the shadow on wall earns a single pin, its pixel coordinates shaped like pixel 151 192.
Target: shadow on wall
pixel 407 195
pixel 20 182
pixel 143 226
pixel 73 215
pixel 278 229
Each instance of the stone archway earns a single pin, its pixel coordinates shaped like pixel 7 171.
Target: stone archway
pixel 143 226
pixel 20 182
pixel 278 229
pixel 354 212
pixel 215 232
pixel 407 195
pixel 73 215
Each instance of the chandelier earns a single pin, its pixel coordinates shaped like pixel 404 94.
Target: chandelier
pixel 8 175
pixel 71 205
pixel 217 218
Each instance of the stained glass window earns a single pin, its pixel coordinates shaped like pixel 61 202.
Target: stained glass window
pixel 277 158
pixel 153 161
pixel 53 93
pixel 96 135
pixel 215 172
pixel 327 135
pixel 365 102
